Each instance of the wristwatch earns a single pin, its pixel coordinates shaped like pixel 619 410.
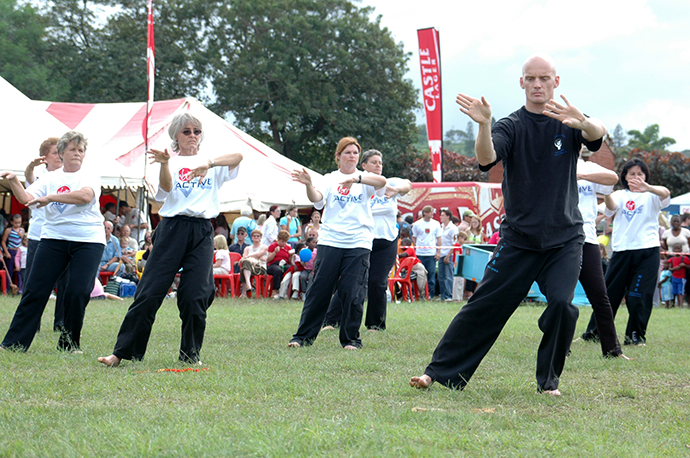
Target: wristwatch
pixel 360 178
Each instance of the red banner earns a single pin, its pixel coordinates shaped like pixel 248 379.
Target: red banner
pixel 150 70
pixel 430 63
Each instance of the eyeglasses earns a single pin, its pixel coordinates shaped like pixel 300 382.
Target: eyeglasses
pixel 188 132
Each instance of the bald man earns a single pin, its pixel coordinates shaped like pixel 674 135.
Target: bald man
pixel 541 236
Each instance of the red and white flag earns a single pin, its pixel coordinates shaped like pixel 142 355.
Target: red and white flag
pixel 150 71
pixel 430 63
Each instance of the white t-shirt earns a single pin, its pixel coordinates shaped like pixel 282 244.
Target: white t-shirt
pixel 198 198
pixel 347 221
pixel 38 215
pixel 425 234
pixel 588 199
pixel 270 231
pixel 682 239
pixel 636 225
pixel 224 257
pixel 449 237
pixel 77 223
pixel 385 211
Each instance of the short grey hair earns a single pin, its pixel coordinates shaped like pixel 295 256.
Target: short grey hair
pixel 69 137
pixel 178 124
pixel 369 153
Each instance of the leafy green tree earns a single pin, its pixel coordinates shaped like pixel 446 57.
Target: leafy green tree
pixel 25 57
pixel 456 167
pixel 301 74
pixel 649 140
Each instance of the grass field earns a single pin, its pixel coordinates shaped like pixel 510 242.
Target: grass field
pixel 259 398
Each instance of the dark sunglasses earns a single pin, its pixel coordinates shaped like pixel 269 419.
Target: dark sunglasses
pixel 188 132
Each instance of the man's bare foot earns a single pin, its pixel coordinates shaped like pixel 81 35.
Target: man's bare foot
pixel 294 345
pixel 328 328
pixel 421 382
pixel 551 392
pixel 622 356
pixel 110 361
pixel 77 352
pixel 350 347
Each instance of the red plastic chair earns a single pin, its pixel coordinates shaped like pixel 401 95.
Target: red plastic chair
pixel 105 276
pixel 402 277
pixel 3 279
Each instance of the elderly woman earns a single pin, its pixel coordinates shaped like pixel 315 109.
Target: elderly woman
pixel 189 184
pixel 344 244
pixel 384 248
pixel 634 266
pixel 72 240
pixel 253 261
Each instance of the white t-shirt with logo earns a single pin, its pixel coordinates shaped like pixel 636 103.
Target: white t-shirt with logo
pixel 636 225
pixel 38 215
pixel 385 211
pixel 449 237
pixel 77 223
pixel 588 199
pixel 425 233
pixel 197 198
pixel 347 221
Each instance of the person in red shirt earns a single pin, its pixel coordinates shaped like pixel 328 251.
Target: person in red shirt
pixel 279 253
pixel 677 265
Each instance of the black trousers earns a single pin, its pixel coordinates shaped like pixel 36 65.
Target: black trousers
pixel 346 270
pixel 507 280
pixel 277 273
pixel 592 280
pixel 59 319
pixel 179 242
pixel 53 257
pixel 632 274
pixel 381 261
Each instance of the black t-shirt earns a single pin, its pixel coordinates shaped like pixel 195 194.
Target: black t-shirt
pixel 539 156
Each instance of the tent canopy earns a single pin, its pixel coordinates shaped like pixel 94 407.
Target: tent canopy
pixel 679 204
pixel 116 149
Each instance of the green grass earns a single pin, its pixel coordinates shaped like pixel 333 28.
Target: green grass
pixel 260 398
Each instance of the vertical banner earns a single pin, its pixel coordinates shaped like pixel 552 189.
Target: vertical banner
pixel 150 70
pixel 430 63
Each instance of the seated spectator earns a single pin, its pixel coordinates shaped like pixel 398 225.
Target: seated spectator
pixel 279 254
pixel 253 262
pixel 221 227
pixel 129 246
pixel 291 223
pixel 308 274
pixel 111 260
pixel 99 293
pixel 240 241
pixel 246 221
pixel 292 274
pixel 419 272
pixel 221 257
pixel 109 213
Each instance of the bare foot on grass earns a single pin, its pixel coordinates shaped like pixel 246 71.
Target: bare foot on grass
pixel 110 361
pixel 622 356
pixel 350 347
pixel 421 382
pixel 294 345
pixel 328 328
pixel 551 392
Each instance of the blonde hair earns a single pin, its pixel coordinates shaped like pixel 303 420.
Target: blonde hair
pixel 221 242
pixel 344 143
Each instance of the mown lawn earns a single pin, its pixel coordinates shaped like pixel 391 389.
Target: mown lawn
pixel 259 398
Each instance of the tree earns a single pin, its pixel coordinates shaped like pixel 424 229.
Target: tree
pixel 301 74
pixel 649 139
pixel 620 139
pixel 25 57
pixel 456 167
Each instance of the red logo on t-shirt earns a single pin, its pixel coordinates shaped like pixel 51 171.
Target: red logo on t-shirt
pixel 427 230
pixel 63 190
pixel 184 174
pixel 630 205
pixel 343 191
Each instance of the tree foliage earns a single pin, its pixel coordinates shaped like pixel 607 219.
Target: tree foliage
pixel 301 74
pixel 456 167
pixel 649 139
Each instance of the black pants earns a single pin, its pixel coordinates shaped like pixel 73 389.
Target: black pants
pixel 507 280
pixel 345 269
pixel 592 280
pixel 381 261
pixel 59 319
pixel 632 274
pixel 277 273
pixel 180 242
pixel 52 258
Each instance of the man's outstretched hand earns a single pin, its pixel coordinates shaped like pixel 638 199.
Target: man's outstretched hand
pixel 477 109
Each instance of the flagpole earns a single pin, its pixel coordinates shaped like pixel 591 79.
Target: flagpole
pixel 150 78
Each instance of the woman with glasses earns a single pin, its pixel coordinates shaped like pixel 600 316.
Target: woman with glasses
pixel 253 262
pixel 189 184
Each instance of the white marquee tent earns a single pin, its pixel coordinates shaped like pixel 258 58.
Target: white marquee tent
pixel 116 148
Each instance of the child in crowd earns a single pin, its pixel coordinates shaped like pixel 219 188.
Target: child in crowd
pixel 20 262
pixel 677 265
pixel 292 273
pixel 665 287
pixel 308 274
pixel 419 272
pixel 221 257
pixel 604 257
pixel 459 281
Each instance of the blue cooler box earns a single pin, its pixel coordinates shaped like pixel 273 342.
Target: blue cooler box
pixel 127 289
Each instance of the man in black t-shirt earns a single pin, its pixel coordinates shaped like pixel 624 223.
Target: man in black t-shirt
pixel 541 236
